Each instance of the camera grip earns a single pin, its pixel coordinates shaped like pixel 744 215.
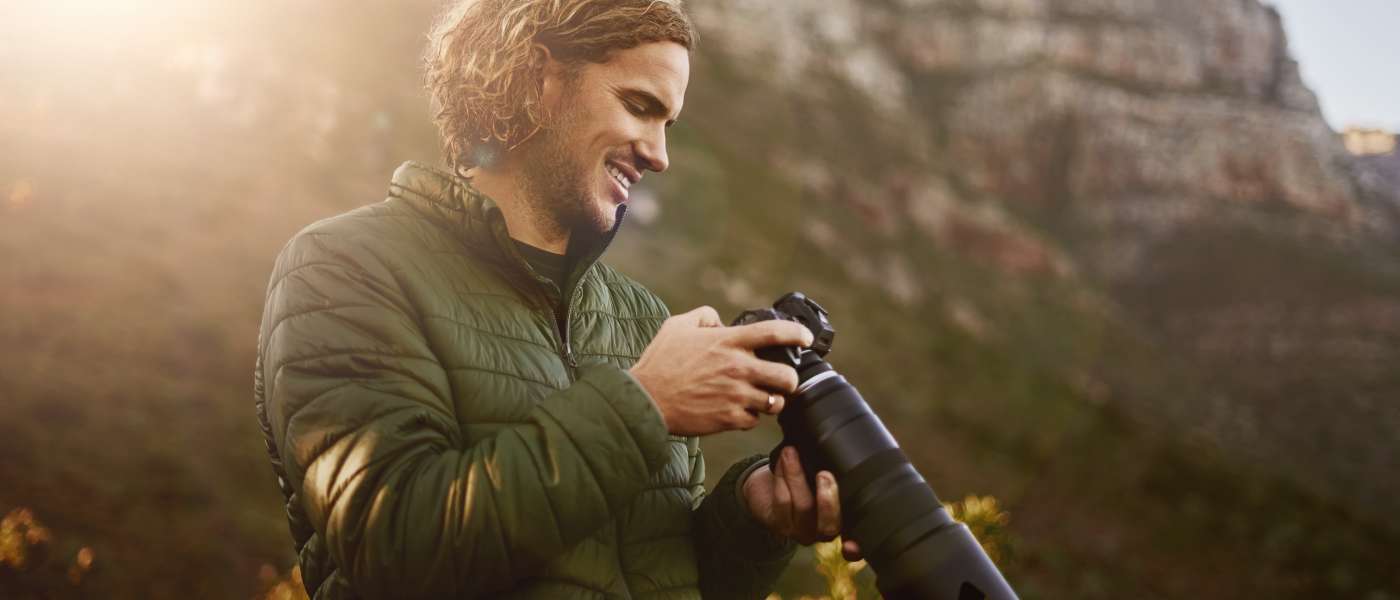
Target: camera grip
pixel 809 456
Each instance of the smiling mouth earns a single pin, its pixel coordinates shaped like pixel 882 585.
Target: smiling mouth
pixel 622 178
pixel 618 176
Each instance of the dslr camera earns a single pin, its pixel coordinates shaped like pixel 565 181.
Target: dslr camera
pixel 916 549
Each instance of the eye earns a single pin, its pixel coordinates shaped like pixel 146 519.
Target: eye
pixel 635 108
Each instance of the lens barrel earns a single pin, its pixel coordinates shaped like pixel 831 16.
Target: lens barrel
pixel 916 549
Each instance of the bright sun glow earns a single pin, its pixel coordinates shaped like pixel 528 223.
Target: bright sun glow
pixel 64 27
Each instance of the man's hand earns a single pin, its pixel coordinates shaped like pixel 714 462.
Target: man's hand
pixel 781 499
pixel 705 378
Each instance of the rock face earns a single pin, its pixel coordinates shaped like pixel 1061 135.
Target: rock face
pixel 1380 175
pixel 1027 217
pixel 1166 151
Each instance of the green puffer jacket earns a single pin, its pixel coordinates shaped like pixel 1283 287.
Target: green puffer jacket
pixel 436 436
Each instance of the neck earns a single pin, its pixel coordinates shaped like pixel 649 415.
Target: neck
pixel 525 220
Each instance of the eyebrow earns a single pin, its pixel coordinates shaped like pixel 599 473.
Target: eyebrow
pixel 651 105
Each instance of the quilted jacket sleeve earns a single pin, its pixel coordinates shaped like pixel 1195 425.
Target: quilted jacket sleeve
pixel 738 557
pixel 363 416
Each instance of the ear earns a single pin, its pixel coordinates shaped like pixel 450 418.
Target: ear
pixel 551 73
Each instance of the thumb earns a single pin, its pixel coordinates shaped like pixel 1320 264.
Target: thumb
pixel 704 316
pixel 850 551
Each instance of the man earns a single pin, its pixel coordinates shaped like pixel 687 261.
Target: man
pixel 460 401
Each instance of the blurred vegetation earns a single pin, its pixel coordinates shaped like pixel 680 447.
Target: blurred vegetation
pixel 282 588
pixel 156 160
pixel 33 564
pixel 983 515
pixel 852 581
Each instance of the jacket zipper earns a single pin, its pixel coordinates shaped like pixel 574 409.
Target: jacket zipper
pixel 566 351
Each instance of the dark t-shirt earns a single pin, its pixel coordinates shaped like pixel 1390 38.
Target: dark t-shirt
pixel 554 267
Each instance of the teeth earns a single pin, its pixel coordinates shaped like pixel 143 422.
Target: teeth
pixel 621 179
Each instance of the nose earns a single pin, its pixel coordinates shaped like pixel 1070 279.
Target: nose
pixel 651 150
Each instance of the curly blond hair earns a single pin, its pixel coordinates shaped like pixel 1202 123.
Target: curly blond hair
pixel 484 80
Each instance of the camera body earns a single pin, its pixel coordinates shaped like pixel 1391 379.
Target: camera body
pixel 796 306
pixel 917 550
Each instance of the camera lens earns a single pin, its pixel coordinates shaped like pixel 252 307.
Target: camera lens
pixel 915 547
pixel 917 550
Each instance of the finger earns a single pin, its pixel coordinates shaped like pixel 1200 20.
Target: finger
pixel 703 316
pixel 709 317
pixel 770 333
pixel 782 498
pixel 828 507
pixel 743 419
pixel 802 503
pixel 771 375
pixel 850 551
pixel 762 402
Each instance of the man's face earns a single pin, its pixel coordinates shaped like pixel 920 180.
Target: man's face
pixel 609 127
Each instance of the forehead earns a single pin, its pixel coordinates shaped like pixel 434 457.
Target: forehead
pixel 659 68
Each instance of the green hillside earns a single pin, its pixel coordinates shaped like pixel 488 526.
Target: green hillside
pixel 149 175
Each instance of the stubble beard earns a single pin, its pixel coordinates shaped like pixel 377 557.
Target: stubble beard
pixel 557 183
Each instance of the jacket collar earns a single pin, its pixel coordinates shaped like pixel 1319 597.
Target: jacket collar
pixel 476 220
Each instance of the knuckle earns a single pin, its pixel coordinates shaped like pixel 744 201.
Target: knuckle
pixel 742 419
pixel 744 395
pixel 802 504
pixel 721 423
pixel 736 394
pixel 789 379
pixel 796 476
pixel 730 420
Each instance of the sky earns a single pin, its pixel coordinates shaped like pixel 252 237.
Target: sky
pixel 1350 53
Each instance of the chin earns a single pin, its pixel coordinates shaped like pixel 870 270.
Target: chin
pixel 605 207
pixel 594 215
pixel 605 217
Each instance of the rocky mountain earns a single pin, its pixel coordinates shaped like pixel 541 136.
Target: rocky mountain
pixel 1099 259
pixel 1381 172
pixel 1164 154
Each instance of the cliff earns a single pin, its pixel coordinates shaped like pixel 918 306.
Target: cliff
pixel 1163 155
pixel 1099 259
